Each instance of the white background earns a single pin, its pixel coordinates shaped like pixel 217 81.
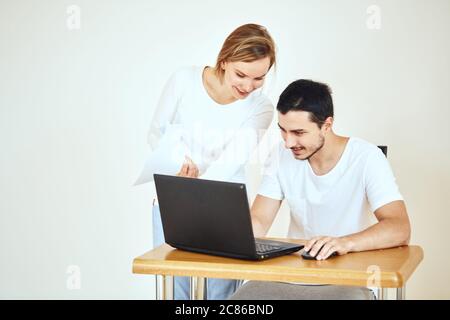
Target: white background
pixel 75 107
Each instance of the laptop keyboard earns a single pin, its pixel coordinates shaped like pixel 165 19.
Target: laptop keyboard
pixel 263 247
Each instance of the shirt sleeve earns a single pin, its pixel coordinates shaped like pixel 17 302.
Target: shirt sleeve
pixel 164 112
pixel 270 185
pixel 381 187
pixel 240 147
pixel 160 128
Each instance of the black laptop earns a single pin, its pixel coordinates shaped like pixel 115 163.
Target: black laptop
pixel 212 217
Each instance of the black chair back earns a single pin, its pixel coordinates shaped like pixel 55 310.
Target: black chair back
pixel 384 149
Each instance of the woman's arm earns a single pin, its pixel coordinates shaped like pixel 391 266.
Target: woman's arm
pixel 165 111
pixel 238 151
pixel 162 118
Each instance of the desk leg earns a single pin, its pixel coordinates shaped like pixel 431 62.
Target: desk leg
pixel 382 294
pixel 164 287
pixel 198 288
pixel 401 293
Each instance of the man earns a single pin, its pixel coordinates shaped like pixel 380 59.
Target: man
pixel 330 183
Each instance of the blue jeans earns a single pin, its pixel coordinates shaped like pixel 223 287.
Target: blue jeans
pixel 218 289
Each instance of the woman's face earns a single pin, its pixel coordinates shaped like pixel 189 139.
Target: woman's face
pixel 244 77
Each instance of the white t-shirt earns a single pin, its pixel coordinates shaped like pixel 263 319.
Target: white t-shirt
pixel 334 204
pixel 218 138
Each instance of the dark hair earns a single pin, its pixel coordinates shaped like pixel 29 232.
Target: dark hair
pixel 309 96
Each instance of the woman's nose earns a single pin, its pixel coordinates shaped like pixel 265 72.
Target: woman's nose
pixel 248 86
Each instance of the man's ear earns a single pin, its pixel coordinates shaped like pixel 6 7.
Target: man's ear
pixel 328 124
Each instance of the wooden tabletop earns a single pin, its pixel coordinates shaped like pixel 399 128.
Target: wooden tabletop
pixel 388 268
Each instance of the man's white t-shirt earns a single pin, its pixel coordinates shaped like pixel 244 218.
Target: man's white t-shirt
pixel 334 204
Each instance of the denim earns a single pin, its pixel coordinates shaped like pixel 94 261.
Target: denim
pixel 217 289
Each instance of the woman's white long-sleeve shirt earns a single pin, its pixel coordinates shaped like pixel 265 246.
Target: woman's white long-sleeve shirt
pixel 218 138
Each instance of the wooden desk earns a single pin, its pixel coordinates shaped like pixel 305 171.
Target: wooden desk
pixel 388 268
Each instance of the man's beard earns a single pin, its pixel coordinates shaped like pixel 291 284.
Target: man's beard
pixel 317 148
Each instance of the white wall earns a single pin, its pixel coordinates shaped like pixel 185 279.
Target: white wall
pixel 75 106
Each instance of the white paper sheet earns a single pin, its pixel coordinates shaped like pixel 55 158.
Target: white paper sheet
pixel 167 157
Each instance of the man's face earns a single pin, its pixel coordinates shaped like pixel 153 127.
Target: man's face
pixel 300 134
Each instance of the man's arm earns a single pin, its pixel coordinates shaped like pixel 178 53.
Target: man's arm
pixel 392 230
pixel 263 212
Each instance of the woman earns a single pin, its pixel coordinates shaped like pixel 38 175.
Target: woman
pixel 209 120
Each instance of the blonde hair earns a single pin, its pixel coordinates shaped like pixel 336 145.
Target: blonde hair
pixel 247 43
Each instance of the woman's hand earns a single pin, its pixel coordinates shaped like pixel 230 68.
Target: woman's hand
pixel 189 169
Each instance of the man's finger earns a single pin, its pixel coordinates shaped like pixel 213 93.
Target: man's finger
pixel 330 252
pixel 317 246
pixel 322 254
pixel 310 243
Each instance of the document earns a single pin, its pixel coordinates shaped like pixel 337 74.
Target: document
pixel 167 158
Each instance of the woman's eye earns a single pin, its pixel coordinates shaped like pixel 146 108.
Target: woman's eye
pixel 240 75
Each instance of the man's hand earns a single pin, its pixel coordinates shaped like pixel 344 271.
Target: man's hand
pixel 323 247
pixel 189 169
pixel 392 230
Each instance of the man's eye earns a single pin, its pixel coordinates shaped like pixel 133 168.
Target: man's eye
pixel 298 133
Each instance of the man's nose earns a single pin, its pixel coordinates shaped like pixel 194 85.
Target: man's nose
pixel 289 142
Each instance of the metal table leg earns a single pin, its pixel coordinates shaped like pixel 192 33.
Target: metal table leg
pixel 164 287
pixel 382 293
pixel 401 293
pixel 198 288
